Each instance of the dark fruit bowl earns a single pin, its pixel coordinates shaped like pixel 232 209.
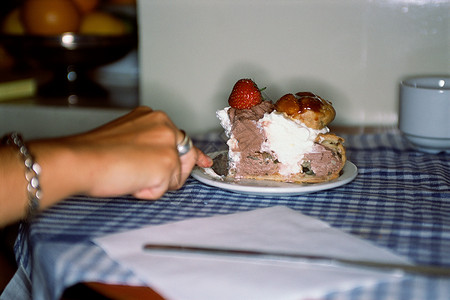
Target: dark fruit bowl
pixel 69 56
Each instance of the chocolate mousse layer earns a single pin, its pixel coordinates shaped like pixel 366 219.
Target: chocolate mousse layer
pixel 321 161
pixel 249 139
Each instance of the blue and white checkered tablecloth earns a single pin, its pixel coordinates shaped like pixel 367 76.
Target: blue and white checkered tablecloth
pixel 400 200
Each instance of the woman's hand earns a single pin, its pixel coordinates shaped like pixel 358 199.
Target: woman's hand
pixel 135 154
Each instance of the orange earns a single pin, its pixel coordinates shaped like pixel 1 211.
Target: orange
pixel 86 6
pixel 102 23
pixel 50 17
pixel 12 23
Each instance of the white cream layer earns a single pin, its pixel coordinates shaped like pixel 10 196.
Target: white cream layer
pixel 288 140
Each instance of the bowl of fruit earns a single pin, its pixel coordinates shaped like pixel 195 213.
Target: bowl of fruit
pixel 70 38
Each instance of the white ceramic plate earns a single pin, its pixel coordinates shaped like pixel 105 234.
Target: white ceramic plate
pixel 271 188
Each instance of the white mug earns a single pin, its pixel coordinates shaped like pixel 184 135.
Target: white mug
pixel 424 112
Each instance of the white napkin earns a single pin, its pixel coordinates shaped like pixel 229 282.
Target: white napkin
pixel 194 276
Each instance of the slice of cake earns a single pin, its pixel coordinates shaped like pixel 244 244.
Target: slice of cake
pixel 286 141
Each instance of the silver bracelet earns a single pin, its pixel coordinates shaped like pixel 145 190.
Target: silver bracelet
pixel 32 173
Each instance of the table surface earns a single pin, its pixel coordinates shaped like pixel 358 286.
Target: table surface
pixel 399 200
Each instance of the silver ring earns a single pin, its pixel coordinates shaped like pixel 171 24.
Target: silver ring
pixel 185 146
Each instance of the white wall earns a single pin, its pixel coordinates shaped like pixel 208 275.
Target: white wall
pixel 34 121
pixel 351 52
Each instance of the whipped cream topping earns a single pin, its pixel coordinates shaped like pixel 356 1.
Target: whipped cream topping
pixel 288 140
pixel 233 156
pixel 225 122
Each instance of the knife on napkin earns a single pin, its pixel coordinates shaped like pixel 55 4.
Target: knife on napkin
pixel 426 270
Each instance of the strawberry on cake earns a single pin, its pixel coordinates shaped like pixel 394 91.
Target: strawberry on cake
pixel 287 141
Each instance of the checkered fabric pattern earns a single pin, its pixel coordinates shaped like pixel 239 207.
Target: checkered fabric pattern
pixel 399 200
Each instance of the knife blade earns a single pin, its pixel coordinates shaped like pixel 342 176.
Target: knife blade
pixel 425 270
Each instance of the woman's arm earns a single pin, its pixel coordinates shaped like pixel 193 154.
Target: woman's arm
pixel 135 154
